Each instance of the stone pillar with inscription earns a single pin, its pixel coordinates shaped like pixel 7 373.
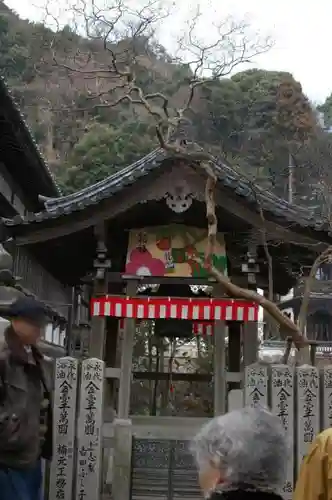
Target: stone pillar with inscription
pixel 327 396
pixel 89 430
pixel 307 418
pixel 65 395
pixel 256 385
pixel 282 405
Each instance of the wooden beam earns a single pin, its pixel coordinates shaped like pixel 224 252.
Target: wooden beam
pixel 117 204
pixel 188 377
pixel 184 377
pixel 117 277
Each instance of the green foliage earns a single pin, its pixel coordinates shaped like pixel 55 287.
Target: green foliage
pixel 253 119
pixel 102 151
pixel 256 118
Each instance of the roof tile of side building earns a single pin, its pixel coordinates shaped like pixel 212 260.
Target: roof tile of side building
pixel 228 178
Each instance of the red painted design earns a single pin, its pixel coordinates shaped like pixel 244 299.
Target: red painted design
pixel 142 263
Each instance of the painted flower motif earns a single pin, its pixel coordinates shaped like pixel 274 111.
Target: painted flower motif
pixel 143 264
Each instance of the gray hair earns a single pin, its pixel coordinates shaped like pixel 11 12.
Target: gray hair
pixel 249 446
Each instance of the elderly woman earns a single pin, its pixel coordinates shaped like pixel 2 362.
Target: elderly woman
pixel 242 456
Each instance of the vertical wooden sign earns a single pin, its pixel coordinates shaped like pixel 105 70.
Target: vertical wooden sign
pixel 282 405
pixel 64 411
pixel 89 430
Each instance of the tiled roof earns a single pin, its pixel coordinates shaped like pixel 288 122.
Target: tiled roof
pixel 29 135
pixel 228 178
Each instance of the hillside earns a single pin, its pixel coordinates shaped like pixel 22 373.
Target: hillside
pixel 253 119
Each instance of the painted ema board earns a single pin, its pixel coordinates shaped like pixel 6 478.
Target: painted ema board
pixel 65 393
pixel 89 430
pixel 171 251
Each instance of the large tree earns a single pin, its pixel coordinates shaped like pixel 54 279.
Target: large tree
pixel 126 72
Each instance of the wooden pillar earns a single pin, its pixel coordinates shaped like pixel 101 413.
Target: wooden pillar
pixel 112 329
pixel 234 351
pixel 127 359
pixel 250 343
pixel 250 329
pixel 220 370
pixel 101 265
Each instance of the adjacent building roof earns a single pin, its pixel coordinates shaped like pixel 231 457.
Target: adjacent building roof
pixel 228 178
pixel 39 178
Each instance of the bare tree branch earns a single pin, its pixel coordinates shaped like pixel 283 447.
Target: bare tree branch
pixel 126 35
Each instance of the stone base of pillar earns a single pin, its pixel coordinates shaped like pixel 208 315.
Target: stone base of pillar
pixel 121 462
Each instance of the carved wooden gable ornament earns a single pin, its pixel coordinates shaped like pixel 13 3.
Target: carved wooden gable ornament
pixel 178 187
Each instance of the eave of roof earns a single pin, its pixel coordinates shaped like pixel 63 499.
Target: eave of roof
pixel 227 178
pixel 44 169
pixel 315 298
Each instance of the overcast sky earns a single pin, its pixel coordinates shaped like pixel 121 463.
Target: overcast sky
pixel 301 30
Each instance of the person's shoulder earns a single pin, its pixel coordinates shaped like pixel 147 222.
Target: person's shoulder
pixel 326 434
pixel 324 438
pixel 321 446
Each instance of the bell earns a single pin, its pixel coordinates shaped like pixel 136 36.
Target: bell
pixel 173 328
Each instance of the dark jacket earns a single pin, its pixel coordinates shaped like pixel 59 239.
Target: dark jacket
pixel 244 494
pixel 24 384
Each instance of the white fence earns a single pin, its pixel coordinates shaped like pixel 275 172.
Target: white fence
pixel 300 397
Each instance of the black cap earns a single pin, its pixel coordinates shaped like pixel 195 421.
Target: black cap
pixel 27 308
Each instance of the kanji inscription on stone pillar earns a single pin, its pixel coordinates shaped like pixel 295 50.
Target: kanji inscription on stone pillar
pixel 307 423
pixel 89 430
pixel 65 394
pixel 255 386
pixel 327 396
pixel 282 405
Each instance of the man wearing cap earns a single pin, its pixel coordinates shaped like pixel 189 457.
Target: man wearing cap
pixel 25 409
